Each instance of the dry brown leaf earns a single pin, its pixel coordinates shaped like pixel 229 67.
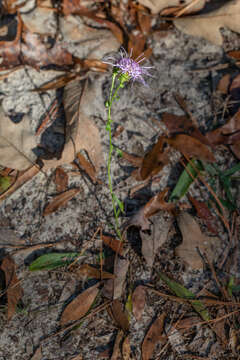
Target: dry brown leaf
pixel 21 180
pixel 228 134
pixel 154 160
pixel 153 337
pixel 182 124
pixel 208 25
pixel 119 315
pixel 10 50
pixel 223 84
pixel 120 271
pixel 80 305
pixel 151 242
pixel 61 180
pixel 191 147
pixel 59 201
pixel 204 213
pixel 152 207
pixel 16 143
pixel 132 159
pixel 87 167
pixel 194 239
pixel 88 271
pixel 77 126
pixel 116 349
pixel 126 349
pixel 38 354
pixel 138 302
pixel 14 289
pixel 157 6
pixel 36 53
pixel 9 237
pixel 115 244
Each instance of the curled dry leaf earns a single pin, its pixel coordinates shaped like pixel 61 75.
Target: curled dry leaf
pixel 80 305
pixel 14 289
pixel 59 201
pixel 153 337
pixel 194 239
pixel 116 354
pixel 153 206
pixel 154 160
pixel 16 143
pixel 88 271
pixel 61 179
pixel 138 302
pixel 208 25
pixel 191 147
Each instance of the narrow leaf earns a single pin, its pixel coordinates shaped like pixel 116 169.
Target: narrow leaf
pixel 52 261
pixel 59 201
pixel 184 293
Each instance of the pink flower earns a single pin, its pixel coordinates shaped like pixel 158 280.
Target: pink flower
pixel 126 65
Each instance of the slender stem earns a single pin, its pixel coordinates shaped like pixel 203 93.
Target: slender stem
pixel 112 97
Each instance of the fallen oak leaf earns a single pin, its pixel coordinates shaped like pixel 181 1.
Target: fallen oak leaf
pixel 208 25
pixel 14 289
pixel 79 307
pixel 204 213
pixel 182 124
pixel 191 147
pixel 60 200
pixel 36 54
pixel 87 167
pixel 153 206
pixel 226 134
pixel 154 160
pixel 194 239
pixel 17 143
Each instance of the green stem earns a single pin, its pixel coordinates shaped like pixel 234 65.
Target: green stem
pixel 112 97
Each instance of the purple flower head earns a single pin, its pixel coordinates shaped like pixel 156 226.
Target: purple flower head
pixel 129 67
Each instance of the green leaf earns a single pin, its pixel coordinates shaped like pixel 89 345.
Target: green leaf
pixel 184 293
pixel 129 306
pixel 52 261
pixel 119 202
pixel 185 181
pixel 232 170
pixel 5 182
pixel 230 285
pixel 119 152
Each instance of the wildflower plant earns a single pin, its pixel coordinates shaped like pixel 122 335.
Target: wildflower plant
pixel 125 70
